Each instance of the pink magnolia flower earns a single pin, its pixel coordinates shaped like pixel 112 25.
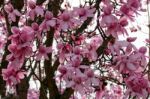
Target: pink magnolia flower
pixel 37 31
pixel 95 42
pixel 137 85
pixel 114 25
pixel 14 62
pixel 35 26
pixel 64 49
pixel 76 60
pixel 74 64
pixel 131 39
pixel 66 20
pixel 143 50
pixel 108 21
pixel 133 62
pixel 65 73
pixel 49 21
pixel 106 2
pixel 127 64
pixel 107 8
pixel 35 10
pixel 21 51
pixel 90 53
pixel 127 11
pixel 77 50
pixel 12 76
pixel 142 56
pixel 84 12
pixel 123 21
pixel 91 79
pixel 117 28
pixel 90 48
pixel 134 4
pixel 12 13
pixel 42 52
pixel 130 59
pixel 27 34
pixel 107 18
pixel 63 70
pixel 77 83
pixel 115 47
pixel 24 35
pixel 15 37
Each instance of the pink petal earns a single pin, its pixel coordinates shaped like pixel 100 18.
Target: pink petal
pixel 16 12
pixel 131 39
pixel 20 75
pixel 32 14
pixel 51 23
pixel 93 55
pixel 131 66
pixel 129 48
pixel 39 11
pixel 15 29
pixel 12 17
pixel 143 50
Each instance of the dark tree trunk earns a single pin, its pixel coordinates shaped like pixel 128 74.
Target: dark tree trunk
pixel 22 89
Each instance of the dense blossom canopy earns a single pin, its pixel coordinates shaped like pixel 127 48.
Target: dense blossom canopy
pixel 72 52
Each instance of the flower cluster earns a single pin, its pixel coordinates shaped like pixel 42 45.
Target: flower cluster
pixel 76 48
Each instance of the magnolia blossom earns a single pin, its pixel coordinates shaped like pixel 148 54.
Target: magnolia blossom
pixel 81 47
pixel 12 13
pixel 49 21
pixel 91 48
pixel 91 79
pixel 90 53
pixel 129 63
pixel 42 52
pixel 35 10
pixel 64 50
pixel 66 20
pixel 130 59
pixel 12 76
pixel 37 31
pixel 115 47
pixel 77 83
pixel 64 72
pixel 126 10
pixel 130 8
pixel 134 5
pixel 24 35
pixel 114 26
pixel 84 12
pixel 20 51
pixel 138 85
